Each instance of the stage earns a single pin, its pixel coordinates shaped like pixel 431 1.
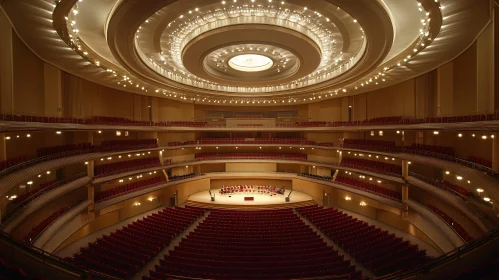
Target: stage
pixel 237 200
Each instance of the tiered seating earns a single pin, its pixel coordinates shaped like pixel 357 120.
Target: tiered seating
pixel 121 190
pixel 115 121
pixel 373 188
pixel 383 120
pixel 268 244
pixel 124 166
pixel 373 166
pixel 124 252
pixel 10 272
pixel 208 141
pixel 469 118
pixel 4 164
pixel 181 177
pixel 326 144
pixel 212 156
pixel 376 145
pixel 183 123
pixel 114 145
pixel 316 177
pixel 175 144
pixel 481 161
pixel 80 148
pixel 376 249
pixel 45 223
pixel 453 188
pixel 28 194
pixel 457 227
pixel 431 150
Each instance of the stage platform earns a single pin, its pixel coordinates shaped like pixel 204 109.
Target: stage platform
pixel 260 201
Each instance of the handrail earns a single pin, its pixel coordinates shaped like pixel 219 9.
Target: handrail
pixel 449 256
pixel 11 213
pixel 54 260
pixel 433 182
pixel 366 190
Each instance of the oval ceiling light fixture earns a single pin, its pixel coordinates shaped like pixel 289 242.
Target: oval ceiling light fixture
pixel 251 62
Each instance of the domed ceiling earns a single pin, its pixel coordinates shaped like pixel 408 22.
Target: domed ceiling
pixel 248 51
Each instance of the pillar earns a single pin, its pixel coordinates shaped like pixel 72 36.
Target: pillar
pixel 405 196
pixel 340 157
pixel 165 174
pixel 198 169
pixel 90 169
pixel 161 157
pixel 6 67
pixel 405 168
pixel 495 153
pixel 91 197
pixel 336 172
pixel 3 146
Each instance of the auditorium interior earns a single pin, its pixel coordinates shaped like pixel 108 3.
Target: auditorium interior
pixel 249 139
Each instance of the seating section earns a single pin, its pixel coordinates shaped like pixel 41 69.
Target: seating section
pixel 4 164
pixel 365 186
pixel 375 249
pixel 316 177
pixel 11 272
pixel 472 118
pixel 373 166
pixel 181 177
pixel 80 148
pixel 276 156
pixel 453 188
pixel 121 190
pixel 481 161
pixel 124 166
pixel 187 124
pixel 457 227
pixel 376 145
pixel 263 244
pixel 115 121
pixel 22 197
pixel 45 223
pixel 431 150
pixel 114 145
pixel 291 141
pixel 124 252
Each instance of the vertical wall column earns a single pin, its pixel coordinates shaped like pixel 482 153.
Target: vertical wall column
pixel 6 67
pixel 3 147
pixel 161 157
pixel 91 197
pixel 340 157
pixel 495 153
pixel 90 169
pixel 198 169
pixel 405 168
pixel 405 187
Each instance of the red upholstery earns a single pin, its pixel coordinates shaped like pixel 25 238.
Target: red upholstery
pixel 481 161
pixel 453 188
pixel 4 164
pixel 125 251
pixel 45 223
pixel 80 148
pixel 11 272
pixel 113 145
pixel 121 190
pixel 316 177
pixel 123 166
pixel 292 141
pixel 373 166
pixel 348 181
pixel 277 156
pixel 376 249
pixel 457 227
pixel 431 149
pixel 267 244
pixel 376 145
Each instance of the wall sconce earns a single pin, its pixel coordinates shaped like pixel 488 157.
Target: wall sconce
pixel 347 198
pixel 362 203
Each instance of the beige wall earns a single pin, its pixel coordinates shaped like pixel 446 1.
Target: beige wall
pixel 251 167
pixel 397 100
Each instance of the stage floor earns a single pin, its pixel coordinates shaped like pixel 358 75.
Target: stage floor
pixel 238 199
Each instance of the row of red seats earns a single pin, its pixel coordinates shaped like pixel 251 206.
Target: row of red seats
pixel 368 187
pixel 421 148
pixel 117 167
pixel 472 118
pixel 316 177
pixel 481 161
pixel 113 145
pixel 4 164
pixel 457 227
pixel 124 252
pixel 11 272
pixel 45 223
pixel 116 120
pixel 377 145
pixel 373 166
pixel 103 195
pixel 453 188
pixel 185 124
pixel 252 141
pixel 264 244
pixel 277 156
pixel 79 148
pixel 181 177
pixel 22 197
pixel 381 252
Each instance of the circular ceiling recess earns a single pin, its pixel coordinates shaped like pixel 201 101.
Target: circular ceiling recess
pixel 250 62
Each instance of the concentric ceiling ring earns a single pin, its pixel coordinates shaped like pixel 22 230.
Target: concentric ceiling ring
pixel 147 64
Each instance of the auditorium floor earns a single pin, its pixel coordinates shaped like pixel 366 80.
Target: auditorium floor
pixel 74 247
pixel 430 250
pixel 238 198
